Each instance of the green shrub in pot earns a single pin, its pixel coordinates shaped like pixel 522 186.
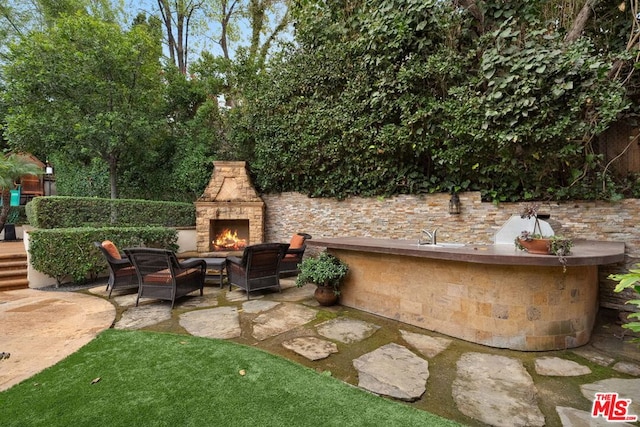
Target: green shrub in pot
pixel 322 270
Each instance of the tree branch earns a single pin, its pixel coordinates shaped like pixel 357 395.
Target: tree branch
pixel 580 22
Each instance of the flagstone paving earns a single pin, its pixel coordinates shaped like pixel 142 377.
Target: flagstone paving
pixel 470 383
pixel 486 388
pixel 496 390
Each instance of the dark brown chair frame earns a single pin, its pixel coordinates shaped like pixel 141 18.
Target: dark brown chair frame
pixel 122 274
pixel 289 264
pixel 259 267
pixel 162 276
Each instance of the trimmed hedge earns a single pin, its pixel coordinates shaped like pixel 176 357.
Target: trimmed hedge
pixel 61 253
pixel 68 212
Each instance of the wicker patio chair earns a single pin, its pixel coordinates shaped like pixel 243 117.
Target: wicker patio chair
pixel 162 276
pixel 293 256
pixel 258 268
pixel 122 275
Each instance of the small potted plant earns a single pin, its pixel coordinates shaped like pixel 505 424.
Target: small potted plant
pixel 326 272
pixel 535 242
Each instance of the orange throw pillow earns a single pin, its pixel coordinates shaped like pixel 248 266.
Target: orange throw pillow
pixel 111 249
pixel 296 242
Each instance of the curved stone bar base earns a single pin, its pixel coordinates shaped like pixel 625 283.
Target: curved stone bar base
pixel 468 293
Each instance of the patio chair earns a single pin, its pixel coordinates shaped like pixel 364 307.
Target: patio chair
pixel 293 257
pixel 162 276
pixel 121 272
pixel 258 268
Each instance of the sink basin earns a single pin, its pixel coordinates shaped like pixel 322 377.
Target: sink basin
pixel 449 245
pixel 440 245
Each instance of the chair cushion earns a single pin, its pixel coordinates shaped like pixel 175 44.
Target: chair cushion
pixel 296 241
pixel 126 271
pixel 164 276
pixel 111 249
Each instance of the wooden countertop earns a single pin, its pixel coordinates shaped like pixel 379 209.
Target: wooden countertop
pixel 584 252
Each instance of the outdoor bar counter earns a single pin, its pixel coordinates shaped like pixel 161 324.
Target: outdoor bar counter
pixel 493 295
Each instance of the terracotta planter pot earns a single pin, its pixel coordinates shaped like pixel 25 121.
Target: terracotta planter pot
pixel 537 246
pixel 325 295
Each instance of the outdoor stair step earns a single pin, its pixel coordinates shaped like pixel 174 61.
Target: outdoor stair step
pixel 13 284
pixel 9 265
pixel 22 272
pixel 8 257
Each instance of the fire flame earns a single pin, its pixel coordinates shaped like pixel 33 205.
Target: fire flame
pixel 228 240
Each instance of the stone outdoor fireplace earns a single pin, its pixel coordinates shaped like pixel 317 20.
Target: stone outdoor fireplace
pixel 229 214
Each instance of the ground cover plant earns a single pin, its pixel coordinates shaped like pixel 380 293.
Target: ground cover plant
pixel 147 378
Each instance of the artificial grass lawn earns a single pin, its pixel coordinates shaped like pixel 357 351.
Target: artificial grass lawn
pixel 150 378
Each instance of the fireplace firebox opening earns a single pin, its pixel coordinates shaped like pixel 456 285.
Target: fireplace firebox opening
pixel 228 235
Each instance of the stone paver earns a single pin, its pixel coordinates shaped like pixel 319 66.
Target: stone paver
pixel 594 356
pixel 283 318
pixel 496 390
pixel 311 347
pixel 425 344
pixel 143 316
pixel 346 330
pixel 292 293
pixel 628 368
pixel 258 306
pixel 626 389
pixel 493 390
pixel 194 300
pixel 221 323
pixel 393 370
pixel 570 417
pixel 555 366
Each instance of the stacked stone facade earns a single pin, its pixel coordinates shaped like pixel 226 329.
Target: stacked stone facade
pixel 230 195
pixel 404 216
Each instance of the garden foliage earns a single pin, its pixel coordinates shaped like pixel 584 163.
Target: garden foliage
pixel 630 282
pixel 384 97
pixel 69 252
pixel 65 212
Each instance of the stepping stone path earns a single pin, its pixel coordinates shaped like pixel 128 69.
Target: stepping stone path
pixel 496 390
pixel 311 347
pixel 571 417
pixel 628 368
pixel 428 346
pixel 626 389
pixel 143 316
pixel 393 370
pixel 594 356
pixel 492 389
pixel 258 306
pixel 346 330
pixel 555 366
pixel 221 323
pixel 281 319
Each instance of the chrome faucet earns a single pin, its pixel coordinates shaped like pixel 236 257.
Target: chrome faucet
pixel 430 237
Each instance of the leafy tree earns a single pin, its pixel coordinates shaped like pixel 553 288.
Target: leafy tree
pixel 87 89
pixel 388 96
pixel 12 167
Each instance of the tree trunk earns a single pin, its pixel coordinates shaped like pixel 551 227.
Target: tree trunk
pixel 580 21
pixel 113 177
pixel 475 11
pixel 6 205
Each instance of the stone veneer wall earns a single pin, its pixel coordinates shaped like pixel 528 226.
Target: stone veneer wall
pixel 230 195
pixel 404 216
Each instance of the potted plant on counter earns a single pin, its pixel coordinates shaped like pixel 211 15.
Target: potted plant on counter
pixel 326 272
pixel 535 242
